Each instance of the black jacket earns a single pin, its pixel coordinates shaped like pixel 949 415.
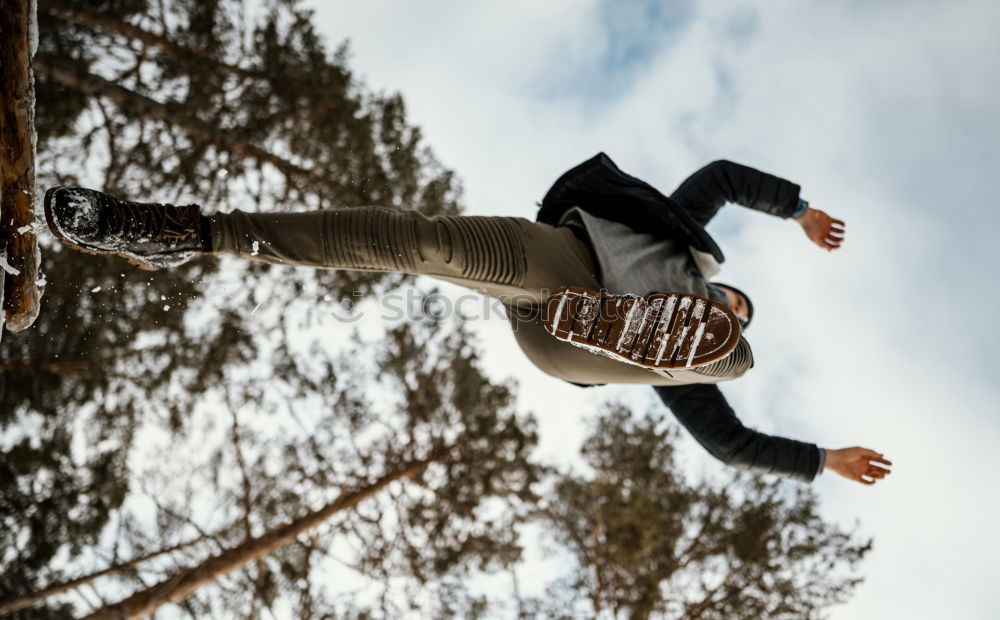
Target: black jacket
pixel 599 187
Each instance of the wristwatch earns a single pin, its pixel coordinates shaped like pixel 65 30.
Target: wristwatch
pixel 800 208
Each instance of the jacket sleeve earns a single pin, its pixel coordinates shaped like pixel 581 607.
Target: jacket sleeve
pixel 722 181
pixel 704 412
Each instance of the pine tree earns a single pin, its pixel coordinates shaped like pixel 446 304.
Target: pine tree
pixel 222 104
pixel 117 350
pixel 431 475
pixel 649 542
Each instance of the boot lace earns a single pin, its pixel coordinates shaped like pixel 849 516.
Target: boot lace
pixel 131 221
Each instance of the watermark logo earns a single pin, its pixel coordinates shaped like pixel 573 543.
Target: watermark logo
pixel 414 305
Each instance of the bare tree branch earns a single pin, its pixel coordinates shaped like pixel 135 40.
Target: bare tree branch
pixel 95 85
pixel 108 23
pixel 181 585
pixel 36 597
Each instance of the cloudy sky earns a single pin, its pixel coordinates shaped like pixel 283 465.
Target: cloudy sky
pixel 884 112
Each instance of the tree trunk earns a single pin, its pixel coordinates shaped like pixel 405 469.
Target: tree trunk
pixel 96 86
pixel 37 597
pixel 104 21
pixel 18 245
pixel 181 585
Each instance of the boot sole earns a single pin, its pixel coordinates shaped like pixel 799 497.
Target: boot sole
pixel 49 196
pixel 659 330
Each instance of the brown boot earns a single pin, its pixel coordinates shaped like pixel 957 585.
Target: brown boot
pixel 148 235
pixel 659 330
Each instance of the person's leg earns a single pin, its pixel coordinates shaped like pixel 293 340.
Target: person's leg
pixel 513 259
pixel 519 261
pixel 510 258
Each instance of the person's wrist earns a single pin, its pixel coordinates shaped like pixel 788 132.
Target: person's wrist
pixel 830 459
pixel 800 210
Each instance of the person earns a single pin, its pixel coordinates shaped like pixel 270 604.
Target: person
pixel 610 284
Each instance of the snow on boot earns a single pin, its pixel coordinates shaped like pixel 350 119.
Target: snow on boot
pixel 148 235
pixel 659 330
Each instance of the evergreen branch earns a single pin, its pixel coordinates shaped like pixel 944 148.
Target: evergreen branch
pixel 95 85
pixel 107 22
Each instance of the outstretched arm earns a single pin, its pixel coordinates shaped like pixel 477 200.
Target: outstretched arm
pixel 722 181
pixel 705 413
pixel 704 192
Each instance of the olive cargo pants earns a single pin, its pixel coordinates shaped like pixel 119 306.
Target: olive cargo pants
pixel 513 259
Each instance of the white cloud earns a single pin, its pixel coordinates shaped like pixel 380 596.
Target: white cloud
pixel 884 112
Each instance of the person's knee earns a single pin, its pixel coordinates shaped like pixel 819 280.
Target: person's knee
pixel 434 240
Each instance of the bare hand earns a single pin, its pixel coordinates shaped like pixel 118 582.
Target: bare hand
pixel 857 464
pixel 822 229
